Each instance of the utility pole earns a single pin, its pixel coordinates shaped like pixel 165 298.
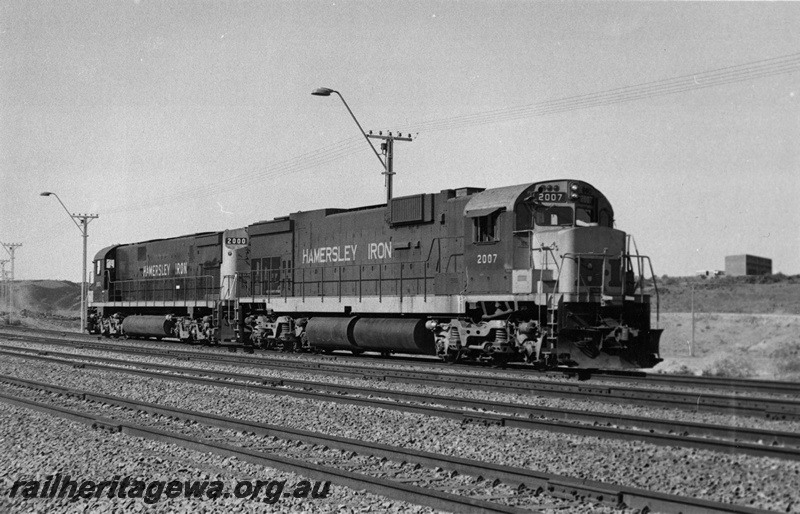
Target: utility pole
pixel 11 248
pixel 387 147
pixel 82 222
pixel 3 293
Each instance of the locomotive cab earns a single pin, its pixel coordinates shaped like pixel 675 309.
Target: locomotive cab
pixel 548 275
pixel 103 275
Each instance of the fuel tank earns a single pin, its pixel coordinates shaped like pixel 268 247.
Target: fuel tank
pixel 331 333
pixel 396 335
pixel 148 326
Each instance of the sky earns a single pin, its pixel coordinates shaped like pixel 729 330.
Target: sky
pixel 175 117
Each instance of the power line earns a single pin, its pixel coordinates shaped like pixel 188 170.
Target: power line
pixel 313 159
pixel 646 90
pixel 684 83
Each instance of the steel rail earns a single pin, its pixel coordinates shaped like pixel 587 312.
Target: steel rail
pixel 471 411
pixel 637 377
pixel 555 485
pixel 382 487
pixel 769 408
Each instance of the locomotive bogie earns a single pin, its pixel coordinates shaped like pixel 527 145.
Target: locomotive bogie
pixel 281 333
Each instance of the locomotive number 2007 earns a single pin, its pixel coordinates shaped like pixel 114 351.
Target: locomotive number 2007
pixel 487 258
pixel 235 240
pixel 550 197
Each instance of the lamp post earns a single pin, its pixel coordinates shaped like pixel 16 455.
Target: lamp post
pixel 387 147
pixel 691 346
pixel 82 222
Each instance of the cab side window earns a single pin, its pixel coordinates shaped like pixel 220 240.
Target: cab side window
pixel 485 228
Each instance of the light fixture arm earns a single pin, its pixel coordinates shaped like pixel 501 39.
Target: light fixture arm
pixel 71 216
pixel 324 91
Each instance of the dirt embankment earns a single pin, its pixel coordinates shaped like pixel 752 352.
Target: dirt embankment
pixel 766 294
pixel 743 326
pixel 41 303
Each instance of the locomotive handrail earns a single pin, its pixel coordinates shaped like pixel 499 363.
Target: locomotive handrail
pixel 192 288
pixel 438 241
pixel 640 260
pixel 289 287
pixel 549 249
pixel 655 286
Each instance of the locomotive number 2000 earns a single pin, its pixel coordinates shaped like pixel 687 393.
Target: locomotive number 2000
pixel 236 241
pixel 487 258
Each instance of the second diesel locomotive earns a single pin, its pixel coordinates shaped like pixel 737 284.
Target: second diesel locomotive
pixel 533 272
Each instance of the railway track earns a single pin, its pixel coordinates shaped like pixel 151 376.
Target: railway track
pixel 698 401
pixel 726 439
pixel 347 362
pixel 452 490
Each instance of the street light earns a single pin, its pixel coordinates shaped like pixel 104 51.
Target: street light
pixel 389 146
pixel 82 222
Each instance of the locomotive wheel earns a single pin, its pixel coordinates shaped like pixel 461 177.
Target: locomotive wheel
pixel 499 361
pixel 357 352
pixel 451 357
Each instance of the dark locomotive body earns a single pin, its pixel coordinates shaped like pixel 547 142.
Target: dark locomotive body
pixel 534 272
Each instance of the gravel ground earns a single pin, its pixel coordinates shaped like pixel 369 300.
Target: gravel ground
pixel 760 482
pixel 422 476
pixel 524 398
pixel 36 445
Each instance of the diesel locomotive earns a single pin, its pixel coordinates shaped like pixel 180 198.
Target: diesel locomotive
pixel 533 272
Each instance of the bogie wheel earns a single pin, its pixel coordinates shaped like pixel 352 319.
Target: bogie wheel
pixel 451 357
pixel 499 361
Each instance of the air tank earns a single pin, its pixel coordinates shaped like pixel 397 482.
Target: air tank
pixel 148 326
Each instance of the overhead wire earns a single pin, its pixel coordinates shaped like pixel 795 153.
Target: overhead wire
pixel 312 159
pixel 694 81
pixel 349 146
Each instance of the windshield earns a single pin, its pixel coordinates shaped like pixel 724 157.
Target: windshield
pixel 583 217
pixel 554 216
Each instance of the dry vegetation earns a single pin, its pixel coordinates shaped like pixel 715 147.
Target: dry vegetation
pixel 743 326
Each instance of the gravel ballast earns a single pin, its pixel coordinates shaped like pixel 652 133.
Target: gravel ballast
pixel 35 446
pixel 760 482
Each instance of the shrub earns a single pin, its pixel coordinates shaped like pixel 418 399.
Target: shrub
pixel 731 367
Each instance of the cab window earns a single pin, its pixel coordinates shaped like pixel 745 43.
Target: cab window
pixel 583 216
pixel 524 216
pixel 485 228
pixel 605 218
pixel 554 216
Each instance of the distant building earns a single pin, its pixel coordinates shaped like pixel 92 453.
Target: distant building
pixel 708 273
pixel 737 265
